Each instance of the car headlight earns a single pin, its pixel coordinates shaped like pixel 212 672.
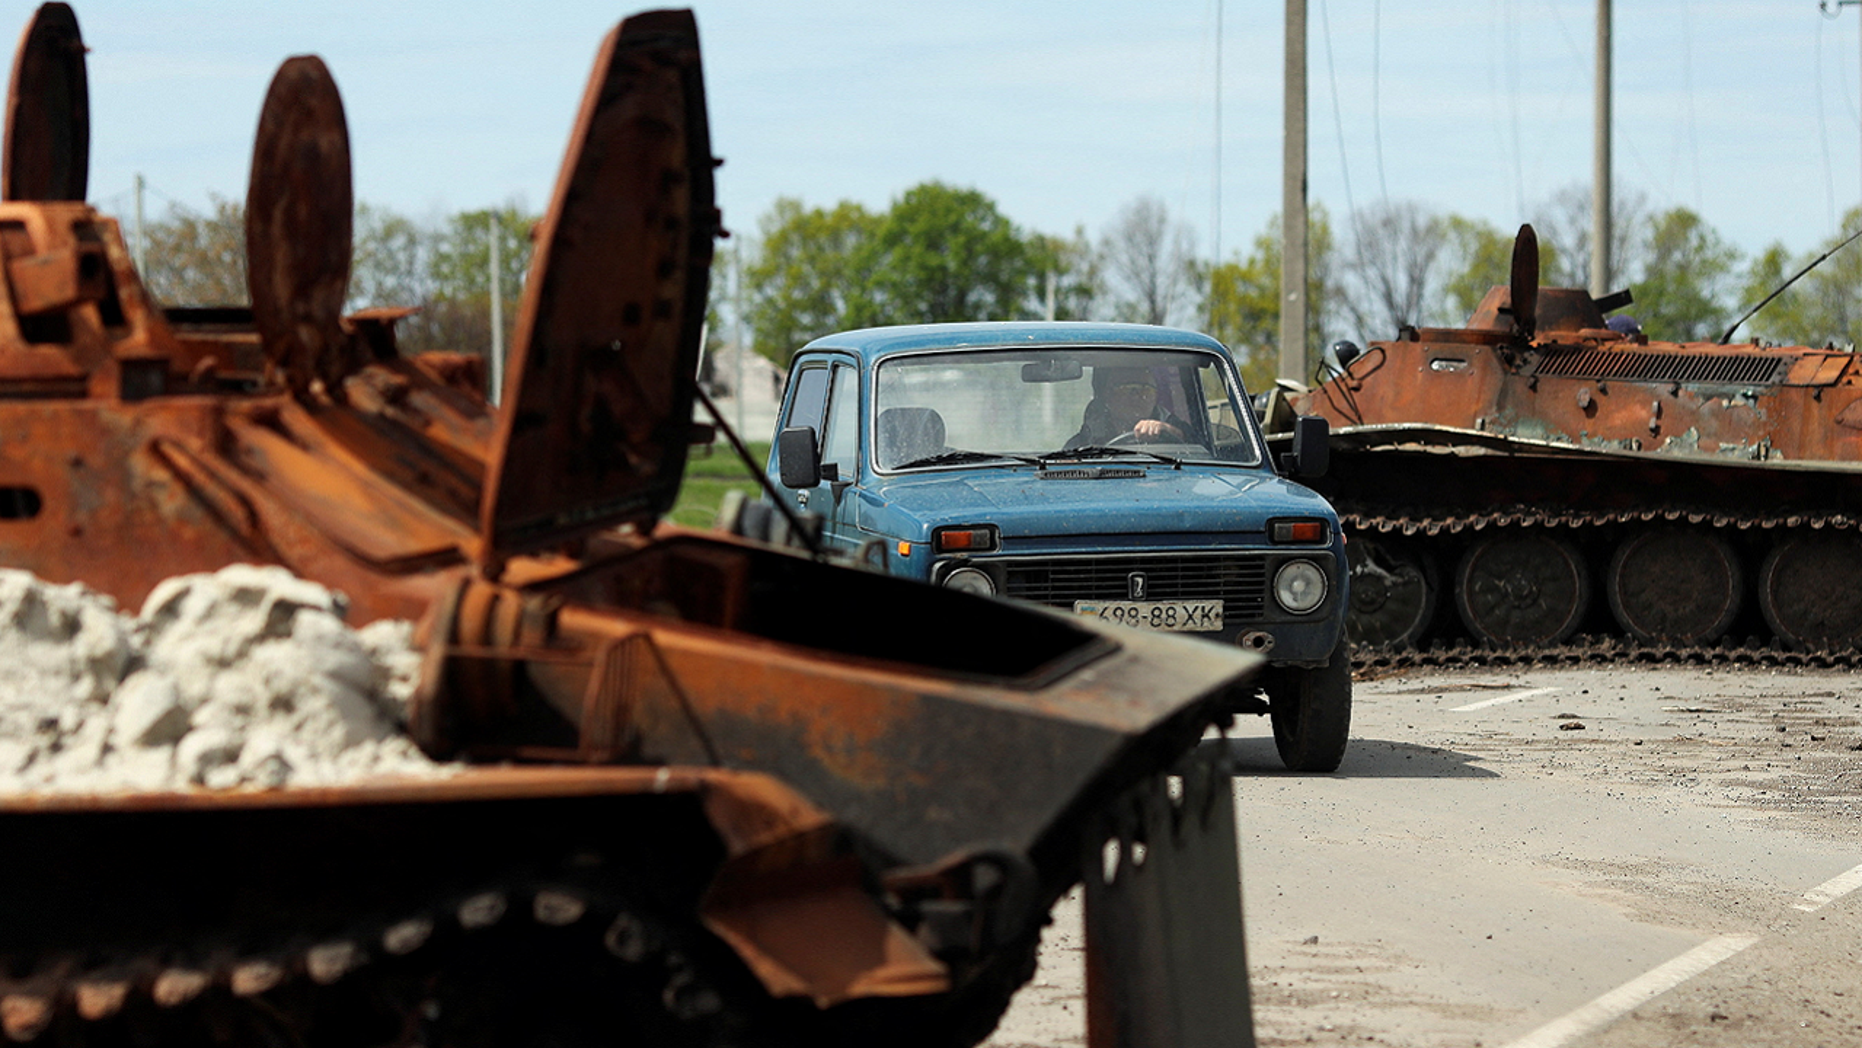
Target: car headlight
pixel 1299 586
pixel 971 580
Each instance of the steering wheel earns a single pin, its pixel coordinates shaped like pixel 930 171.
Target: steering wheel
pixel 1124 440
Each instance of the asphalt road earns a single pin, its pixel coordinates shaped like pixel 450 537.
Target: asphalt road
pixel 1622 857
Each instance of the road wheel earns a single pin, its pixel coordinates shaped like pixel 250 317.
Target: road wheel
pixel 1675 586
pixel 1810 590
pixel 1311 714
pixel 1393 593
pixel 1522 590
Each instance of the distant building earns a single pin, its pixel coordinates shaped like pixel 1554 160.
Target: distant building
pixel 753 413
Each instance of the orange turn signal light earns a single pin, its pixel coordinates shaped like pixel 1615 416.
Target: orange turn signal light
pixel 1310 532
pixel 964 540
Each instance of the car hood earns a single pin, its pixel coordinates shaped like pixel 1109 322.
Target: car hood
pixel 1024 504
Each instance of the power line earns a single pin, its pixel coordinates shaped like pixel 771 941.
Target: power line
pixel 1687 84
pixel 1377 110
pixel 1512 92
pixel 1338 121
pixel 1823 131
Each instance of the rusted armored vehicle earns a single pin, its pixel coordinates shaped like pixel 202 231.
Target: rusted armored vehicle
pixel 1540 475
pixel 710 792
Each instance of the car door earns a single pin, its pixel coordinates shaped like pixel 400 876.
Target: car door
pixel 840 457
pixel 826 398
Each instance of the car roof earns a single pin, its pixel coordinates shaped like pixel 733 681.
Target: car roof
pixel 874 343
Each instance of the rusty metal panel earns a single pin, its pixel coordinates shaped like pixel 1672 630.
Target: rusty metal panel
pixel 298 213
pixel 356 508
pixel 788 677
pixel 829 776
pixel 47 111
pixel 1818 369
pixel 599 400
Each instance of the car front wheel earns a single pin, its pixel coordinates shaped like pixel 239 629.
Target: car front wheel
pixel 1311 714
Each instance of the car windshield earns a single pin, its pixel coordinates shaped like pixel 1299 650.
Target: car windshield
pixel 1052 405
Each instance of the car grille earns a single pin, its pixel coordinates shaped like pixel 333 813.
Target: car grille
pixel 1238 581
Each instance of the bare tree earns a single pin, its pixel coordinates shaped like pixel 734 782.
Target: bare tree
pixel 1391 270
pixel 1149 261
pixel 198 259
pixel 1563 222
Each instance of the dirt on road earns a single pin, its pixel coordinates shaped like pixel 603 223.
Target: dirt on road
pixel 1501 849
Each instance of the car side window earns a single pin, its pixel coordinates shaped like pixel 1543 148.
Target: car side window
pixel 841 444
pixel 810 401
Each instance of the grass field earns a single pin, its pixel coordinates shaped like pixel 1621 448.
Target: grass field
pixel 709 473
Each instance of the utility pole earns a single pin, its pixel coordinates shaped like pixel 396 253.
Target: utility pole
pixel 142 253
pixel 1832 8
pixel 1293 303
pixel 1600 164
pixel 497 313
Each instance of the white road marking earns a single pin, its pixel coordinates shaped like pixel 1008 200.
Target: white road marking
pixel 1613 1005
pixel 1831 890
pixel 1511 696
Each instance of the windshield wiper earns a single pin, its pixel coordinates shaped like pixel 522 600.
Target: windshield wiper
pixel 945 458
pixel 1094 451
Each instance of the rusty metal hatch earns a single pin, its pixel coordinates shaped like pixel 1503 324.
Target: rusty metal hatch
pixel 603 368
pixel 47 153
pixel 1744 369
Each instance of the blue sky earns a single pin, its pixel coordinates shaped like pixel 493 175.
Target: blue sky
pixel 1744 110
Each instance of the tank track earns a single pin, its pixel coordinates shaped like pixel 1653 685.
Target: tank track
pixel 1595 650
pixel 1415 522
pixel 479 968
pixel 1437 651
pixel 565 921
pixel 518 963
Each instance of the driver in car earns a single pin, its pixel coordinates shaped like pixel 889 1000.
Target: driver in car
pixel 1125 402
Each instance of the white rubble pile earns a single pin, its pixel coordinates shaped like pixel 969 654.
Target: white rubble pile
pixel 246 677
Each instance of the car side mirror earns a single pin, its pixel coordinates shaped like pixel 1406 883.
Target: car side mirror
pixel 798 457
pixel 1312 448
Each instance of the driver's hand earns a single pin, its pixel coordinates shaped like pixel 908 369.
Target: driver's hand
pixel 1155 429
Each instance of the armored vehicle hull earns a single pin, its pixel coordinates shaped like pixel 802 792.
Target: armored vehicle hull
pixel 1539 480
pixel 704 792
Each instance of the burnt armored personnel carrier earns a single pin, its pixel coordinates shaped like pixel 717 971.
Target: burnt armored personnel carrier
pixel 1538 475
pixel 710 793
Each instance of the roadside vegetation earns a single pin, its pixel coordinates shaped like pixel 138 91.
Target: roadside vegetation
pixel 947 253
pixel 709 473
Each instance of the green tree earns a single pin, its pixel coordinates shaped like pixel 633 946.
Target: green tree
pixel 798 284
pixel 1687 277
pixel 197 259
pixel 456 314
pixel 942 254
pixel 1242 303
pixel 1079 281
pixel 1479 257
pixel 1820 308
pixel 1784 316
pixel 389 264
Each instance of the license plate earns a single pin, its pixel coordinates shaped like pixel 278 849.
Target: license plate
pixel 1176 616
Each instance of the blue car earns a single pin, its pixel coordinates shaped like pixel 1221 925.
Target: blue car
pixel 1111 470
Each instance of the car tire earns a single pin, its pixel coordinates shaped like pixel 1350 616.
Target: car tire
pixel 1311 714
